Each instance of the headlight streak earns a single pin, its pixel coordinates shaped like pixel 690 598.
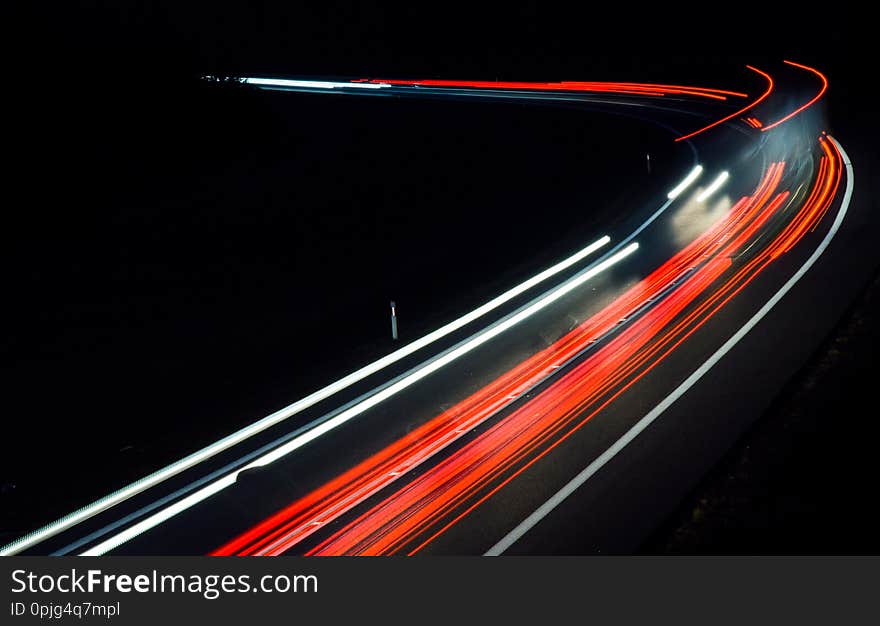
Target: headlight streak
pixel 635 89
pixel 205 492
pixel 410 519
pixel 630 435
pixel 757 101
pixel 807 220
pixel 310 84
pixel 474 342
pixel 713 187
pixel 822 91
pixel 693 175
pixel 292 525
pixel 277 417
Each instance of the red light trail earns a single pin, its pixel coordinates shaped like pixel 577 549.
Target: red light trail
pixel 686 292
pixel 751 105
pixel 471 451
pixel 643 89
pixel 822 91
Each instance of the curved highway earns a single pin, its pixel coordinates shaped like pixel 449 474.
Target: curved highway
pixel 506 429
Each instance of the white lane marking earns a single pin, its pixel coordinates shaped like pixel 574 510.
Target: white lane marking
pixel 477 340
pixel 714 186
pixel 542 511
pixel 264 423
pixel 690 178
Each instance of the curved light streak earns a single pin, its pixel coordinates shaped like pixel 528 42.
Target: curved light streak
pixel 760 99
pixel 279 416
pixel 575 483
pixel 310 435
pixel 714 186
pixel 311 84
pixel 688 180
pixel 406 521
pixel 375 85
pixel 808 104
pixel 652 89
pixel 415 510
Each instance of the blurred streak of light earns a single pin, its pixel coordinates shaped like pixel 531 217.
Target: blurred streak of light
pixel 808 104
pixel 715 186
pixel 348 414
pixel 619 87
pixel 264 423
pixel 311 84
pixel 307 515
pixel 528 434
pixel 582 477
pixel 762 97
pixel 688 180
pixel 437 499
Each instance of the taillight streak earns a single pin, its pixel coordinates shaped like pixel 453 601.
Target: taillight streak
pixel 809 103
pixel 751 105
pixel 302 518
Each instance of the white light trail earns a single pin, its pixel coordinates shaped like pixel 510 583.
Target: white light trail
pixel 575 483
pixel 477 340
pixel 715 186
pixel 310 84
pixel 259 426
pixel 688 180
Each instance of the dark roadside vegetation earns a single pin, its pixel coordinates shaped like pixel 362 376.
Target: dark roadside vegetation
pixel 802 481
